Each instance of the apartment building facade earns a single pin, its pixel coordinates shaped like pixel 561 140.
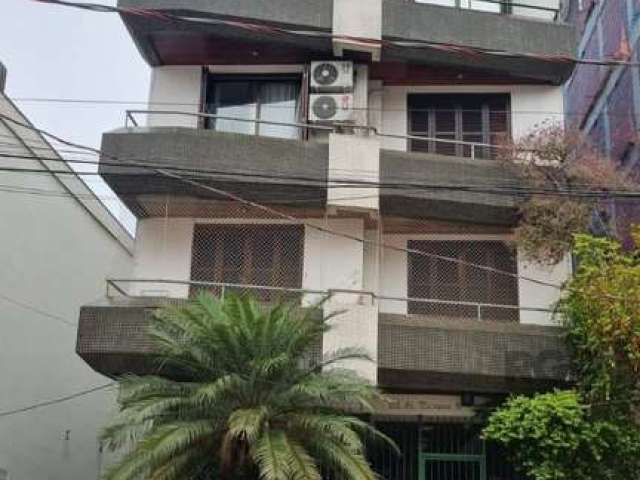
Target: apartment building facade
pixel 347 148
pixel 604 101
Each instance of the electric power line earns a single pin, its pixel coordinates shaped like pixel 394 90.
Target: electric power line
pixel 56 401
pixel 76 101
pixel 286 216
pixel 37 310
pixel 331 183
pixel 498 190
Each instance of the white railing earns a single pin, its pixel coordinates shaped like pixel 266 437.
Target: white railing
pixel 117 285
pixel 474 147
pixel 504 7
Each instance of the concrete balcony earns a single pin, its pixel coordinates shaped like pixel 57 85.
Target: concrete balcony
pixel 257 168
pixel 213 41
pixel 421 353
pixel 415 353
pixel 274 170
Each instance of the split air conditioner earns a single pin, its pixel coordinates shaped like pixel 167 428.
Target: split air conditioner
pixel 331 107
pixel 331 76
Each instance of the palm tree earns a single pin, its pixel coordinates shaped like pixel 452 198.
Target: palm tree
pixel 249 403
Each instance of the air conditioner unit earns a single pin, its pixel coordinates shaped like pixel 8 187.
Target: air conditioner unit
pixel 331 76
pixel 331 108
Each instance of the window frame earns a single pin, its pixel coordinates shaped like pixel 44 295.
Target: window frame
pixel 465 283
pixel 256 80
pixel 459 133
pixel 246 235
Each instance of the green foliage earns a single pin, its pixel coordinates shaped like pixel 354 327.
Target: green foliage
pixel 552 437
pixel 601 312
pixel 591 433
pixel 250 403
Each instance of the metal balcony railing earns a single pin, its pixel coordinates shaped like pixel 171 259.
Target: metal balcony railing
pixel 521 8
pixel 476 149
pixel 127 288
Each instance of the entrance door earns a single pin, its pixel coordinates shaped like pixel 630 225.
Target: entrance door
pixel 451 452
pixel 452 467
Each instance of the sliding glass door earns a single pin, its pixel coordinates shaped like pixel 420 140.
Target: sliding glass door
pixel 240 100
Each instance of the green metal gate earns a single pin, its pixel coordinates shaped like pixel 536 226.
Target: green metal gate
pixel 451 452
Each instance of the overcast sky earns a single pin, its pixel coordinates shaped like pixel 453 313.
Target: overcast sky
pixel 59 52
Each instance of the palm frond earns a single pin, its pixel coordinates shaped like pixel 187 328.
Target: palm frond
pixel 247 403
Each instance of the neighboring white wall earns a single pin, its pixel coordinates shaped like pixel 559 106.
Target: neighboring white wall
pixel 163 251
pixel 531 105
pixel 55 257
pixel 541 296
pixel 176 89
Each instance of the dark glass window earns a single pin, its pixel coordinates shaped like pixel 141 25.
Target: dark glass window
pixel 270 98
pixel 262 255
pixel 460 117
pixel 434 278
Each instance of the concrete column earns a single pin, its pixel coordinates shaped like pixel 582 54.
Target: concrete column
pixel 357 26
pixel 355 325
pixel 354 158
pixel 175 88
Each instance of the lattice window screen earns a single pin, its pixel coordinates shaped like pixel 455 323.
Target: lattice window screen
pixel 433 278
pixel 264 255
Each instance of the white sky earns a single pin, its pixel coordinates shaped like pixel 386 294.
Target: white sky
pixel 58 52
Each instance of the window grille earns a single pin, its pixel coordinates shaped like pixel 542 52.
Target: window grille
pixel 451 282
pixel 264 255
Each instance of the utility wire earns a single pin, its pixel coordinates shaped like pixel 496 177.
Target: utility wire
pixel 56 401
pixel 37 310
pixel 500 190
pixel 290 217
pixel 284 107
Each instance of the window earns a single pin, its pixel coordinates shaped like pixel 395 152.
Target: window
pixel 265 255
pixel 438 279
pixel 461 117
pixel 272 98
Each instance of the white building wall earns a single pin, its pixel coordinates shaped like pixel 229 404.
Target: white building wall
pixel 537 295
pixel 55 257
pixel 531 106
pixel 175 88
pixel 353 158
pixel 332 261
pixel 163 252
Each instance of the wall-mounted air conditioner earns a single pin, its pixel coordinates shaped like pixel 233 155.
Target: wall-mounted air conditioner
pixel 331 107
pixel 331 76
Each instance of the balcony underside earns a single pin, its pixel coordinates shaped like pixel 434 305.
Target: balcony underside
pixel 277 171
pixel 174 43
pixel 415 353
